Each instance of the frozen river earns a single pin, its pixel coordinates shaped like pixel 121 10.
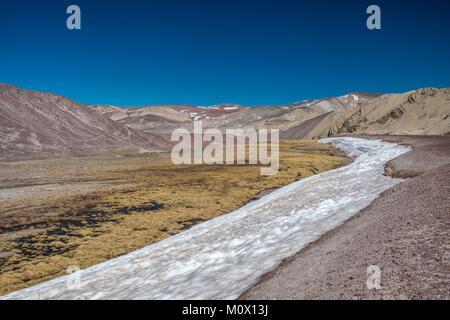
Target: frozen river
pixel 221 258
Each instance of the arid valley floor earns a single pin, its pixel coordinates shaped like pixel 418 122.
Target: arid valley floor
pixel 82 184
pixel 82 211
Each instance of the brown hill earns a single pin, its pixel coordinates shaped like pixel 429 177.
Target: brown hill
pixel 34 124
pixel 419 112
pixel 37 124
pixel 162 120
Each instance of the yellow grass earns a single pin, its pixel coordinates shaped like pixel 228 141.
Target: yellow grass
pixel 124 204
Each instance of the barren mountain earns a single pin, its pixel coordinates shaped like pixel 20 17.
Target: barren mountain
pixel 36 123
pixel 347 102
pixel 162 120
pixel 419 112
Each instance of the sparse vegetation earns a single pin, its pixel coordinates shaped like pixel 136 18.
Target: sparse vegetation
pixel 84 211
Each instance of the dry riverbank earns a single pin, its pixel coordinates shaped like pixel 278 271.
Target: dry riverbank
pixel 405 232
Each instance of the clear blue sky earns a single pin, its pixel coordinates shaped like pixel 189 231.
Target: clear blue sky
pixel 252 52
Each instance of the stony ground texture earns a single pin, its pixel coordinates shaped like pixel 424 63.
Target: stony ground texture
pixel 405 232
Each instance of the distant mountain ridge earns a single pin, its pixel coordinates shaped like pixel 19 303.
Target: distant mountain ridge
pixel 162 120
pixel 37 124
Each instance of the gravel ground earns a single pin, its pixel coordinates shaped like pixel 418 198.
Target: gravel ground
pixel 405 232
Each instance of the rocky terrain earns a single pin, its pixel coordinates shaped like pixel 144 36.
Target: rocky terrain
pixel 34 124
pixel 162 120
pixel 55 211
pixel 404 232
pixel 419 112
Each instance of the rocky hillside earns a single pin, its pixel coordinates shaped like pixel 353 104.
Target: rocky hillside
pixel 162 120
pixel 419 112
pixel 34 124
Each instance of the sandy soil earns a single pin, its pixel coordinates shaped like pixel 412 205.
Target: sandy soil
pixel 405 232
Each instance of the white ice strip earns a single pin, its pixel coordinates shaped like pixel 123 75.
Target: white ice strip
pixel 223 257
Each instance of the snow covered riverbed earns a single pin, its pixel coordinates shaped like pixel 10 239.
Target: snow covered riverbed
pixel 221 258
